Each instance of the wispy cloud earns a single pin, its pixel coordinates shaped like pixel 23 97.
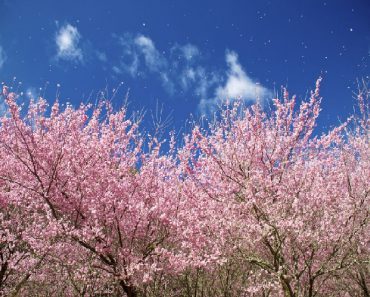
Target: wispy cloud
pixel 140 56
pixel 2 61
pixel 129 59
pixel 177 71
pixel 188 51
pixel 153 59
pixel 2 107
pixel 67 41
pixel 2 57
pixel 237 85
pixel 182 69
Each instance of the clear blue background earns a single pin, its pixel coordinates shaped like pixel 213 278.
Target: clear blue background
pixel 288 43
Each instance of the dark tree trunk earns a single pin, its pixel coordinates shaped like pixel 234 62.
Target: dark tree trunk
pixel 364 285
pixel 3 270
pixel 129 290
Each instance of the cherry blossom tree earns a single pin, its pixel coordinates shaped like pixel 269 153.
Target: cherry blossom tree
pixel 295 207
pixel 87 188
pixel 253 205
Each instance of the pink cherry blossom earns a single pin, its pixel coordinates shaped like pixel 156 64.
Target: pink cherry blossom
pixel 253 205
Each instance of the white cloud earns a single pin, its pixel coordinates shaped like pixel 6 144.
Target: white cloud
pixel 67 40
pixel 188 77
pixel 116 70
pixel 167 83
pixel 134 65
pixel 198 79
pixel 188 51
pixel 238 85
pixel 153 59
pixel 140 55
pixel 182 69
pixel 2 57
pixel 129 60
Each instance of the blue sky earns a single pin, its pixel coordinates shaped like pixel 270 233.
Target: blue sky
pixel 186 55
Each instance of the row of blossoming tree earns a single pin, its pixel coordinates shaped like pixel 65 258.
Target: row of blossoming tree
pixel 252 205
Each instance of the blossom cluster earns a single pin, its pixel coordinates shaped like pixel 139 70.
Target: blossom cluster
pixel 252 205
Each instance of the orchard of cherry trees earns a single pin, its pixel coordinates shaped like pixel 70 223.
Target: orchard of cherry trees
pixel 254 204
